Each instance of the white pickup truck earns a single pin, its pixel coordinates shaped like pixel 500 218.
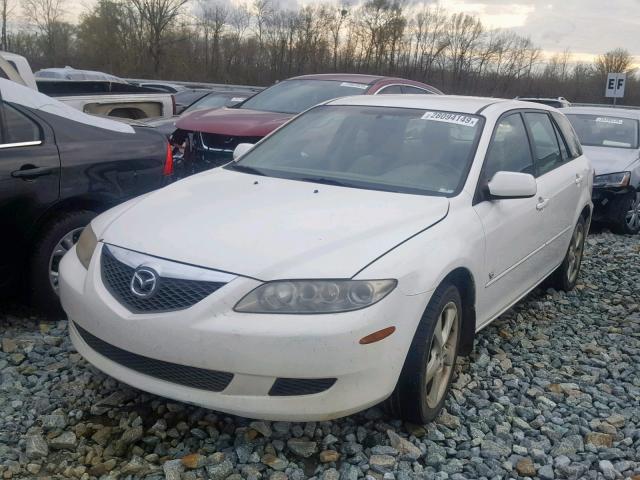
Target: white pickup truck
pixel 114 99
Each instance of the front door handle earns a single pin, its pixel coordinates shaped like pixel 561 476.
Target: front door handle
pixel 31 171
pixel 542 203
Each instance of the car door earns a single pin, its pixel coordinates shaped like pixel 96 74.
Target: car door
pixel 29 179
pixel 559 185
pixel 514 228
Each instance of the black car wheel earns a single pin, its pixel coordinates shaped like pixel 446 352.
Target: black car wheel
pixel 57 237
pixel 627 214
pixel 426 375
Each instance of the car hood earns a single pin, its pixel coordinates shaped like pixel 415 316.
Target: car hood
pixel 610 160
pixel 166 125
pixel 271 228
pixel 233 121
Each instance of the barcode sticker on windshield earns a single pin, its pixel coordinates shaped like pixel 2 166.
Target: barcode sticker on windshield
pixel 353 85
pixel 614 121
pixel 456 118
pixel 238 99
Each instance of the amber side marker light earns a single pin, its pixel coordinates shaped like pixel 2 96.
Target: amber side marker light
pixel 377 336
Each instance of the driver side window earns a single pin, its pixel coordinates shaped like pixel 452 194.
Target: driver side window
pixel 509 150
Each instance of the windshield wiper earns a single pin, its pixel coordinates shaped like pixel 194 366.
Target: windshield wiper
pixel 325 181
pixel 246 169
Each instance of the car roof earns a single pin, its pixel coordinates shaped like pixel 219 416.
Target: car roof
pixel 343 77
pixel 450 103
pixel 608 111
pixel 550 99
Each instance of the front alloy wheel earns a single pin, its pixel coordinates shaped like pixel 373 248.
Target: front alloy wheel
pixel 427 371
pixel 632 217
pixel 442 355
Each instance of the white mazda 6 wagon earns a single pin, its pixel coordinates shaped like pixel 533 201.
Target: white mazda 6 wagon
pixel 345 259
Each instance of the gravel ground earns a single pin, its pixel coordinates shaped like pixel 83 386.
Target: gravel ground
pixel 551 391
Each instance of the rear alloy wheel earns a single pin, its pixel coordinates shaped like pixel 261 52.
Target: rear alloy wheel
pixel 56 238
pixel 566 276
pixel 428 369
pixel 64 245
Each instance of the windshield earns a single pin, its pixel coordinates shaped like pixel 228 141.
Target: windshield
pixel 605 131
pixel 378 148
pixel 295 96
pixel 209 101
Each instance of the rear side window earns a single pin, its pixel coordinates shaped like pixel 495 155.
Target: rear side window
pixel 573 144
pixel 390 90
pixel 563 146
pixel 545 142
pixel 413 90
pixel 18 127
pixel 509 150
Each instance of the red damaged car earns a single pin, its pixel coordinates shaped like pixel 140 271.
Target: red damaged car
pixel 207 138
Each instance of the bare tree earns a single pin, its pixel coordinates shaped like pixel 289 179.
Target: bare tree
pixel 259 42
pixel 46 15
pixel 616 61
pixel 158 16
pixel 6 10
pixel 214 18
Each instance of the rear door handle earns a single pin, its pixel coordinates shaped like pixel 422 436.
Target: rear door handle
pixel 28 172
pixel 542 203
pixel 578 179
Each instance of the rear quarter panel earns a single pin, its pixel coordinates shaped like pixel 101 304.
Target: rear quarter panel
pixel 106 165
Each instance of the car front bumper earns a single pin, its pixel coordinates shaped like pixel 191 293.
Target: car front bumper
pixel 255 349
pixel 605 200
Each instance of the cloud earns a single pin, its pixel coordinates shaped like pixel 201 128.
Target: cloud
pixel 585 27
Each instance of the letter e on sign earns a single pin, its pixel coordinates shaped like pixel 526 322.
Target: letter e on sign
pixel 615 85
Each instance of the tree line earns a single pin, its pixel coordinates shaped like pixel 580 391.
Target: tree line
pixel 259 43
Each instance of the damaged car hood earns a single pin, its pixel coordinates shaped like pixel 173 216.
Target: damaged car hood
pixel 271 228
pixel 233 121
pixel 610 160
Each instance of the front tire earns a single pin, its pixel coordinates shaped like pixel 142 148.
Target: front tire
pixel 56 238
pixel 627 214
pixel 428 369
pixel 566 275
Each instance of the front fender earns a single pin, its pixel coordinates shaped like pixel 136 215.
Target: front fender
pixel 421 263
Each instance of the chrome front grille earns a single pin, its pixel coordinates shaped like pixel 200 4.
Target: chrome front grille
pixel 177 286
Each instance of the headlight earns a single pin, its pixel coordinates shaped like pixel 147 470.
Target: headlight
pixel 86 245
pixel 620 179
pixel 314 296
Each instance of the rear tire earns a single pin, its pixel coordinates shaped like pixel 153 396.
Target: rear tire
pixel 57 236
pixel 626 213
pixel 428 369
pixel 566 275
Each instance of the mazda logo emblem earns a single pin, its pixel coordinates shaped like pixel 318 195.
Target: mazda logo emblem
pixel 144 282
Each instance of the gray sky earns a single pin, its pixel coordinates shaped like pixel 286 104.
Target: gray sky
pixel 586 27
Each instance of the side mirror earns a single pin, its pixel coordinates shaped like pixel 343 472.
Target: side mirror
pixel 241 149
pixel 512 185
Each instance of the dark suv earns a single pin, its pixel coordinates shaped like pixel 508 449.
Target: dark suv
pixel 59 168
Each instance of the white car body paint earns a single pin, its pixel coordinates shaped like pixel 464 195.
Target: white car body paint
pixel 611 159
pixel 21 95
pixel 262 228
